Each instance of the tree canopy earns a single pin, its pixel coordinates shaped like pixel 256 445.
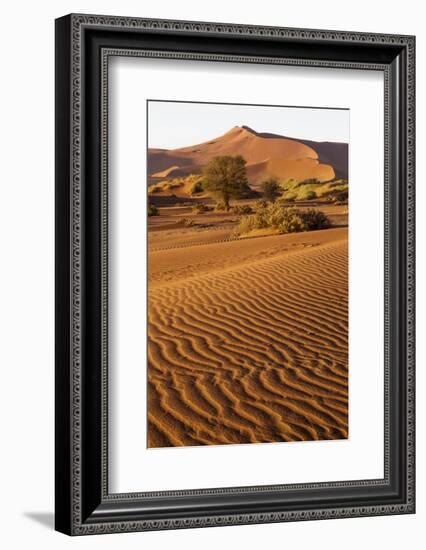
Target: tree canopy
pixel 225 177
pixel 271 189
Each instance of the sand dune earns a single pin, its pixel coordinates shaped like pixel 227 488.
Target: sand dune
pixel 244 141
pixel 162 159
pixel 251 347
pixel 266 154
pixel 283 169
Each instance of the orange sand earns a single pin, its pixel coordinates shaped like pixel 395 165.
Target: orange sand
pixel 248 339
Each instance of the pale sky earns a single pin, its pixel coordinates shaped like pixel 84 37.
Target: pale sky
pixel 176 124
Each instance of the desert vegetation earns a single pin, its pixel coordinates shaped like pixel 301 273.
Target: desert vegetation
pixel 166 185
pixel 294 190
pixel 247 292
pixel 242 209
pixel 188 185
pixel 282 219
pixel 225 178
pixel 153 210
pixel 271 189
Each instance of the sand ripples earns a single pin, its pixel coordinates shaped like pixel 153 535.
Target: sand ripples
pixel 256 353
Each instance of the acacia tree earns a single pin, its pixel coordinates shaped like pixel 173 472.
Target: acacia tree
pixel 270 189
pixel 225 177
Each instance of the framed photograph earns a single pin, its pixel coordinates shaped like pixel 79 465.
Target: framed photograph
pixel 234 274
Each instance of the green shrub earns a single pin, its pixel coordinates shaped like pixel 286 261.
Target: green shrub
pixel 153 210
pixel 246 225
pixel 261 203
pixel 308 196
pixel 283 219
pixel 310 181
pixel 196 187
pixel 165 185
pixel 315 219
pixel 288 184
pixel 341 197
pixel 295 191
pixel 242 209
pixel 270 189
pixel 339 183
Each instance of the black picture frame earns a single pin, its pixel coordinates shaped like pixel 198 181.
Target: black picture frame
pixel 83 45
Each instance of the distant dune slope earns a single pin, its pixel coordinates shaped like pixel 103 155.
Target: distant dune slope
pixel 252 353
pixel 300 169
pixel 326 159
pixel 334 153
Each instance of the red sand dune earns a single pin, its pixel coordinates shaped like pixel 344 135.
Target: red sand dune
pixel 266 155
pixel 281 168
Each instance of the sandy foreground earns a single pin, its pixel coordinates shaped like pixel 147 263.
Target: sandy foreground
pixel 247 339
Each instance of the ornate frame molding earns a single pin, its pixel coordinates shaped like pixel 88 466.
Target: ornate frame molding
pixel 78 523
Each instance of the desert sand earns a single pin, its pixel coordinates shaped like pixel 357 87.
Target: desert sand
pixel 267 155
pixel 247 338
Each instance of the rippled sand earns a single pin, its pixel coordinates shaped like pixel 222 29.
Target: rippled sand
pixel 248 340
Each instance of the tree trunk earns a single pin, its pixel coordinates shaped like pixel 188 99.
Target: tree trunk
pixel 226 202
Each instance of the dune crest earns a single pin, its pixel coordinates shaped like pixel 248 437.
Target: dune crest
pixel 260 150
